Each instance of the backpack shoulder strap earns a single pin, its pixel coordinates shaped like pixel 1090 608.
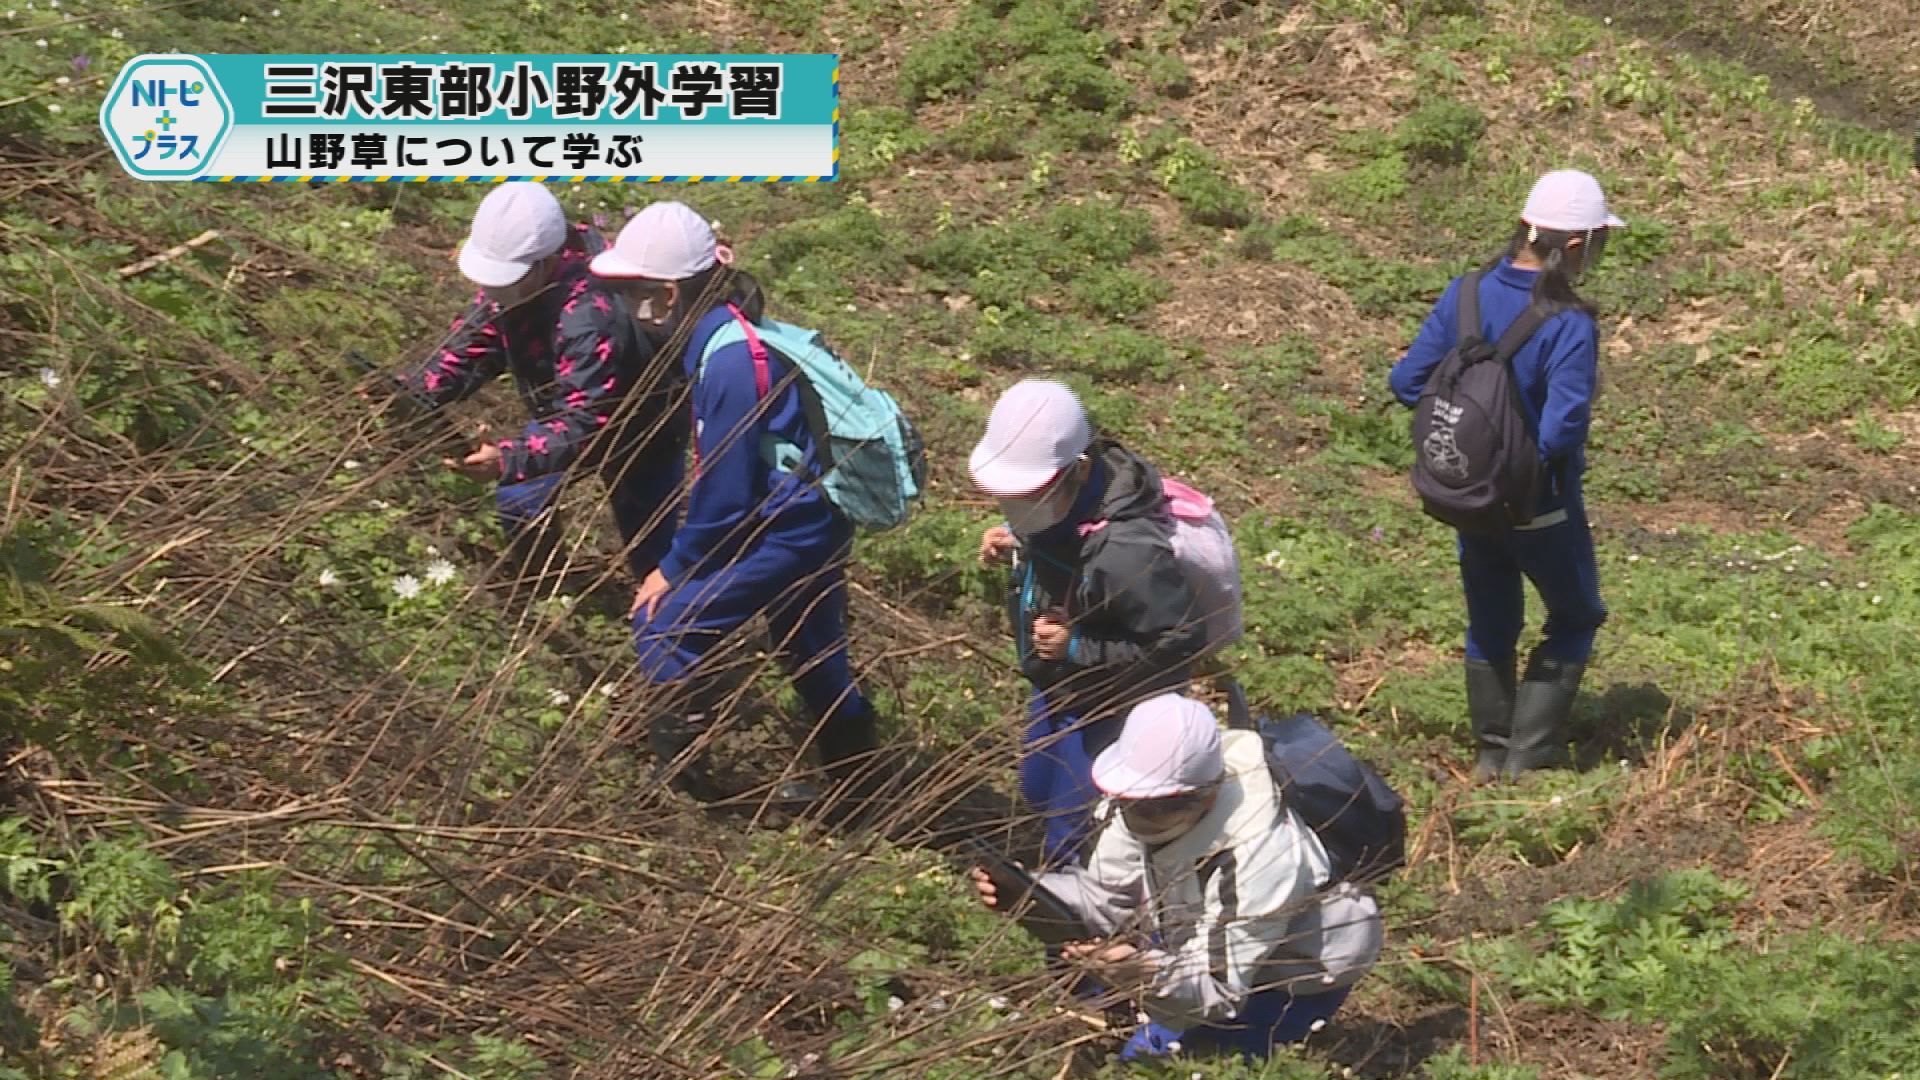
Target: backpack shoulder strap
pixel 810 403
pixel 1467 309
pixel 755 347
pixel 1523 329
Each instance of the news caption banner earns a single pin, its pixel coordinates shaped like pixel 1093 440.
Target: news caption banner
pixel 226 118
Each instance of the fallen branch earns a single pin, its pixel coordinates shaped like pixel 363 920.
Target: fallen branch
pixel 170 254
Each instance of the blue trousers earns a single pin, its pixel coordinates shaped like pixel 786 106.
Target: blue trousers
pixel 1267 1019
pixel 1559 560
pixel 642 494
pixel 802 592
pixel 1056 776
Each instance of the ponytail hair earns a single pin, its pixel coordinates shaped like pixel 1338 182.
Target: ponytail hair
pixel 1554 286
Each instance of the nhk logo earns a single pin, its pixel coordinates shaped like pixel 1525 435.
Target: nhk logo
pixel 166 117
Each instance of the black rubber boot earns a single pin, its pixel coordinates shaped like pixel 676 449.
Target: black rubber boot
pixel 671 736
pixel 1490 693
pixel 1541 707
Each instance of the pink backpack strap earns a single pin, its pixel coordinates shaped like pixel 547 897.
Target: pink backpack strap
pixel 761 380
pixel 1088 528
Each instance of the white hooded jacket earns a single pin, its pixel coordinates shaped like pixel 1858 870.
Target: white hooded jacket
pixel 1240 901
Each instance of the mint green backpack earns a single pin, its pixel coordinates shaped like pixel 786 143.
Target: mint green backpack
pixel 874 464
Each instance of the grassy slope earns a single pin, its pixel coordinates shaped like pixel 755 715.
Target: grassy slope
pixel 1223 221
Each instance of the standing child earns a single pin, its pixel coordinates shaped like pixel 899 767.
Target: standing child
pixel 1522 725
pixel 1104 616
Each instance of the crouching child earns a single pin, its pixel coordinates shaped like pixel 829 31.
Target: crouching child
pixel 1213 897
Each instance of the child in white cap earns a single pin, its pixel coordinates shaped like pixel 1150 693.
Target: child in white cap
pixel 585 369
pixel 759 538
pixel 1520 724
pixel 1214 900
pixel 1103 614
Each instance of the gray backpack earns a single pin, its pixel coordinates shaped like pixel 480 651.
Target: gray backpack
pixel 1476 464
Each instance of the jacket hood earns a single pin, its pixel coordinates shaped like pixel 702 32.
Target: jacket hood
pixel 1133 484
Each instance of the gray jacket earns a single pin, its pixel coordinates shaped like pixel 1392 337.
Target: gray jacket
pixel 1239 902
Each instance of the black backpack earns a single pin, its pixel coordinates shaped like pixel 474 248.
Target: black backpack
pixel 1476 464
pixel 1360 819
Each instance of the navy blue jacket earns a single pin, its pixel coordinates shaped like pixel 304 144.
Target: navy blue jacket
pixel 738 497
pixel 1557 371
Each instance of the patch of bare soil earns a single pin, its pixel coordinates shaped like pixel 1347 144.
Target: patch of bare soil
pixel 1854 60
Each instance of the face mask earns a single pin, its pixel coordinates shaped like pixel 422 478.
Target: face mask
pixel 1157 821
pixel 1029 514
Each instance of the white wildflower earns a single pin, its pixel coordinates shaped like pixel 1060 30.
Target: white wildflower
pixel 559 698
pixel 997 1003
pixel 623 16
pixel 40 43
pixel 50 378
pixel 62 81
pixel 382 504
pixel 328 579
pixel 11 12
pixel 275 13
pixel 115 34
pixel 607 690
pixel 53 106
pixel 432 552
pixel 439 572
pixel 1876 598
pixel 406 586
pixel 350 464
pixel 243 18
pixel 53 5
pixel 1633 558
pixel 894 1004
pixel 1555 801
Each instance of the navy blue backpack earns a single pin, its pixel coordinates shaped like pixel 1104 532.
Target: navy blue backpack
pixel 1360 819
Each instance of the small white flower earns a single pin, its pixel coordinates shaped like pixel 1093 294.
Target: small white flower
pixel 1633 558
pixel 53 106
pixel 62 81
pixel 350 464
pixel 40 43
pixel 53 5
pixel 432 552
pixel 115 34
pixel 997 1003
pixel 243 18
pixel 1863 585
pixel 607 690
pixel 406 586
pixel 1774 615
pixel 439 572
pixel 1625 765
pixel 12 12
pixel 1876 598
pixel 275 13
pixel 623 16
pixel 1555 801
pixel 382 504
pixel 328 579
pixel 559 698
pixel 50 378
pixel 894 1004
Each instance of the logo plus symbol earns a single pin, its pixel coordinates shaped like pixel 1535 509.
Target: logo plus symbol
pixel 167 120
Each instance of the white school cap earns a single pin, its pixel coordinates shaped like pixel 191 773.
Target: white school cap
pixel 1169 746
pixel 518 224
pixel 667 241
pixel 1568 200
pixel 1037 429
